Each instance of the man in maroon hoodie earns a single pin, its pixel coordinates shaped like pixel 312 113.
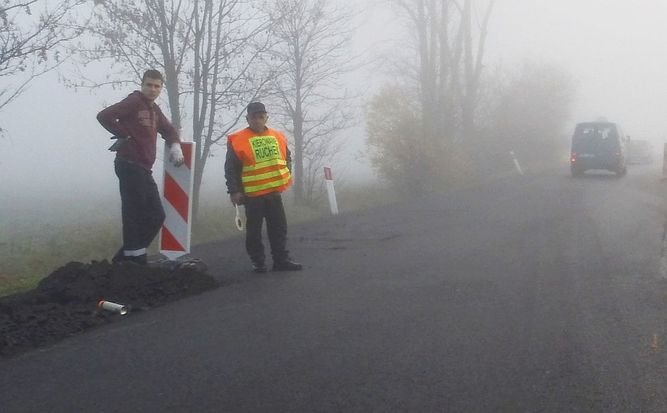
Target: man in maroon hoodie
pixel 135 121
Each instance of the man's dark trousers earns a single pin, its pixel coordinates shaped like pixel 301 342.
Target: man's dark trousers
pixel 141 206
pixel 269 207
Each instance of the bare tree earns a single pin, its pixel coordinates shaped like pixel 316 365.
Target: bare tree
pixel 229 48
pixel 131 37
pixel 449 64
pixel 312 40
pixel 31 33
pixel 525 111
pixel 395 140
pixel 530 112
pixel 443 77
pixel 209 50
pixel 473 64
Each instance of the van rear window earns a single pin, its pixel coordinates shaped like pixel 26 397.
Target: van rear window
pixel 592 137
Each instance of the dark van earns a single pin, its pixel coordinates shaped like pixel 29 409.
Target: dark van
pixel 598 145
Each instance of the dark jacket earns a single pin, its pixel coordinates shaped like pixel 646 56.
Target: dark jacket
pixel 140 120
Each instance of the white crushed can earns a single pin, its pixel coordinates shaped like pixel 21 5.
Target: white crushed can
pixel 113 307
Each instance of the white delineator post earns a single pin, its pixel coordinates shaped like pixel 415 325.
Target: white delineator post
pixel 177 202
pixel 664 162
pixel 516 163
pixel 328 178
pixel 663 251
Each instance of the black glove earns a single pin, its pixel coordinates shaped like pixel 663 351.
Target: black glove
pixel 120 140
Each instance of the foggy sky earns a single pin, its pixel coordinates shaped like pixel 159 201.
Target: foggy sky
pixel 615 50
pixel 54 147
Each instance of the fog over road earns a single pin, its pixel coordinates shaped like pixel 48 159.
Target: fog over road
pixel 529 293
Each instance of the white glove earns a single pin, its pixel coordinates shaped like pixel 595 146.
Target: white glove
pixel 176 154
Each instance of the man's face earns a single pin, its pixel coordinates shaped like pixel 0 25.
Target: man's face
pixel 151 88
pixel 257 121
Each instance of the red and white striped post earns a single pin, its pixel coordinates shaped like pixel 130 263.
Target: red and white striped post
pixel 331 192
pixel 177 202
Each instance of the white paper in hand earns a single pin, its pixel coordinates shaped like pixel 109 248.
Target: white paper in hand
pixel 240 225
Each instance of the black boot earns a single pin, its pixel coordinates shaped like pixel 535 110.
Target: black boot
pixel 259 267
pixel 287 265
pixel 139 259
pixel 118 257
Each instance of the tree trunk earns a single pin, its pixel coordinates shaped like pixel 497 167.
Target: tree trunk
pixel 297 162
pixel 468 103
pixel 172 93
pixel 196 187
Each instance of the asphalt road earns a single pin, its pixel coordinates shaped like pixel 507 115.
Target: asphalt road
pixel 536 293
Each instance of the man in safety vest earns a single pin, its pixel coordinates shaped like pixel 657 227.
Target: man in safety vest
pixel 257 170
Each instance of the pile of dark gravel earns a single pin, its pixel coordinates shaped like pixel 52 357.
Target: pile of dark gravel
pixel 65 302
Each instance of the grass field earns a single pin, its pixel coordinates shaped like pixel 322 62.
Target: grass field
pixel 37 236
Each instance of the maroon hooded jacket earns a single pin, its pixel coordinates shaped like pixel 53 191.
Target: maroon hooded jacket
pixel 140 120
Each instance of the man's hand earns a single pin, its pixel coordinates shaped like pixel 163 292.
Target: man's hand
pixel 176 154
pixel 236 198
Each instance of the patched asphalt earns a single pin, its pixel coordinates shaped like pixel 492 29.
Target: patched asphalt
pixel 528 293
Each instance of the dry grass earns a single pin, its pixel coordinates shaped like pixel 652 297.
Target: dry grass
pixel 34 242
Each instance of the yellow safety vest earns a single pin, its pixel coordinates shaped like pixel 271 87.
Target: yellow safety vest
pixel 264 159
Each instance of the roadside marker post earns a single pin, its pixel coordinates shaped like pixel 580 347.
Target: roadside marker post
pixel 516 163
pixel 331 192
pixel 177 202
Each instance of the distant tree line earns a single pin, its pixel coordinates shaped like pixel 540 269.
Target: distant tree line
pixel 445 117
pixel 442 115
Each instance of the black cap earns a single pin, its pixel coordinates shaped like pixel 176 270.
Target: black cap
pixel 256 107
